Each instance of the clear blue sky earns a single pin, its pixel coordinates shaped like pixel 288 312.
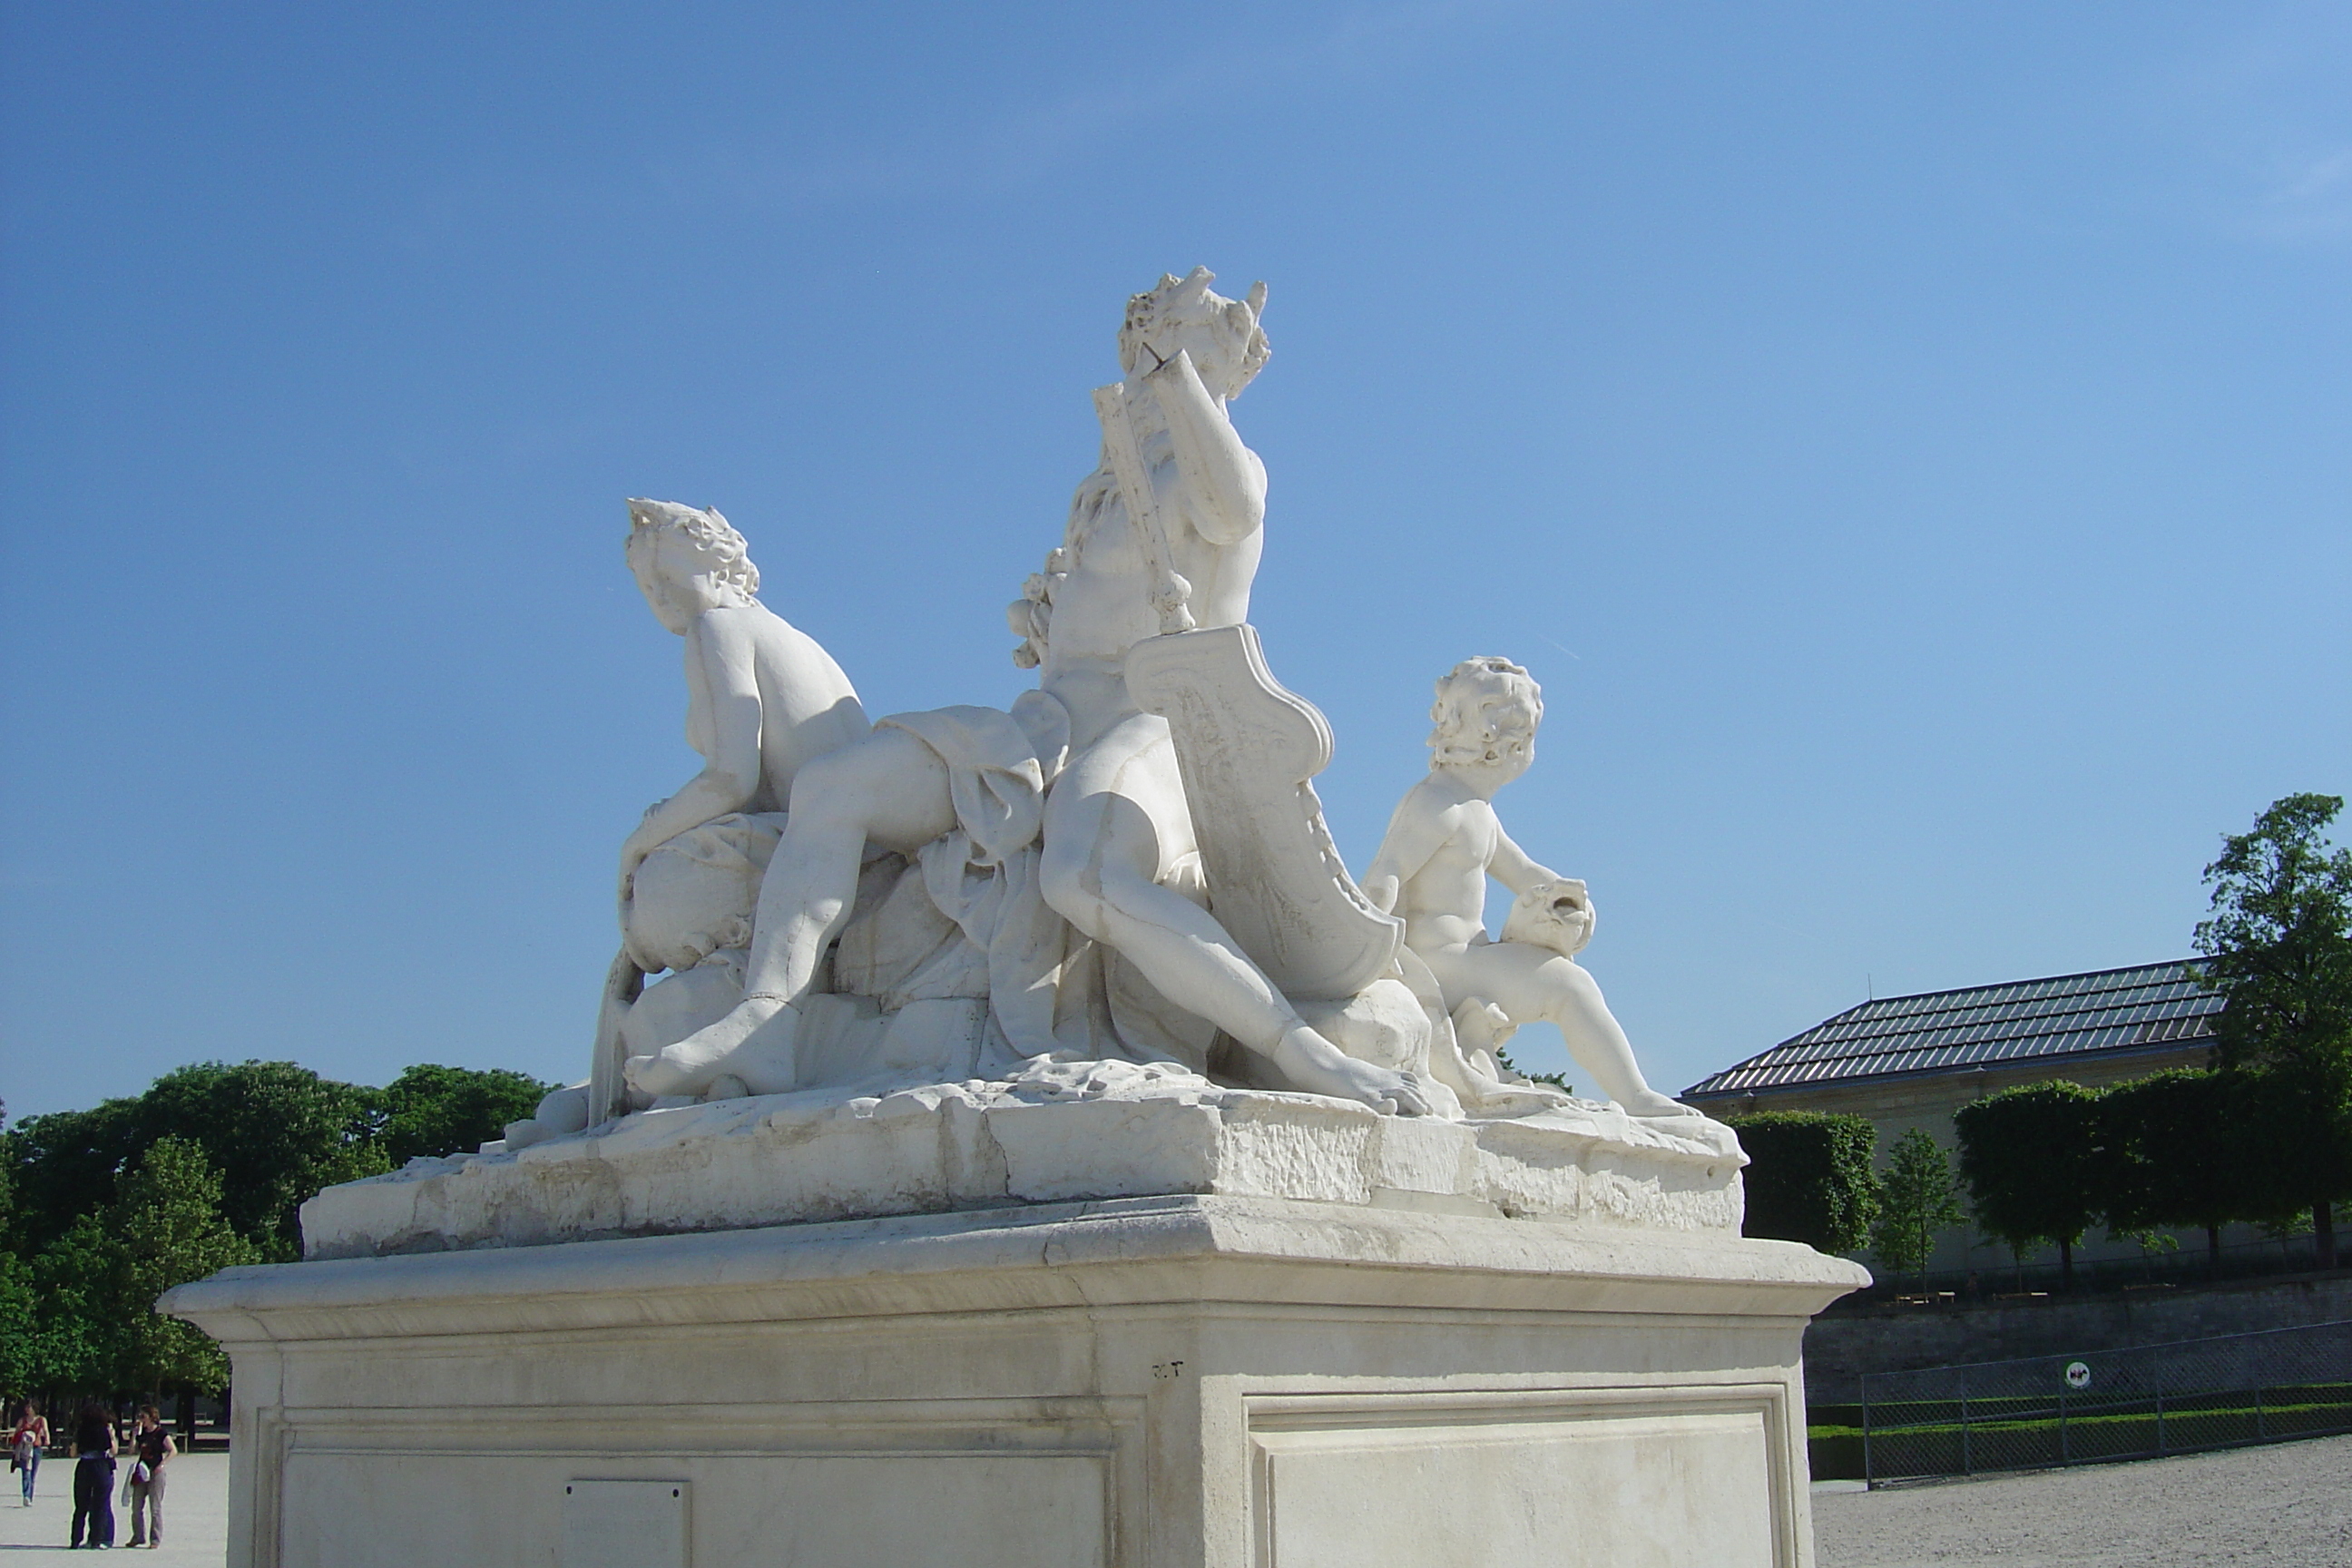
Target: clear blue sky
pixel 1911 442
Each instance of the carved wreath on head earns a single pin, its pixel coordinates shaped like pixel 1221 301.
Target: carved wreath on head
pixel 1030 615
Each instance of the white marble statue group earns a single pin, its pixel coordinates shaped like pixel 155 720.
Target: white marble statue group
pixel 1127 877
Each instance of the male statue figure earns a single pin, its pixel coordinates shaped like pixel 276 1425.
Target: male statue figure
pixel 1116 829
pixel 1117 832
pixel 1442 844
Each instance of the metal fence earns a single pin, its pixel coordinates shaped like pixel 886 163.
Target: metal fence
pixel 2047 1411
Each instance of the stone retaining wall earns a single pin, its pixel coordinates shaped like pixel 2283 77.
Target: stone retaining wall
pixel 1889 1338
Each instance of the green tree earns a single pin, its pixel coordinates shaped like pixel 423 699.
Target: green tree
pixel 62 1165
pixel 101 1331
pixel 2179 1152
pixel 277 1132
pixel 2278 946
pixel 165 1228
pixel 1918 1199
pixel 1809 1178
pixel 434 1110
pixel 2291 1148
pixel 2031 1159
pixel 70 1345
pixel 22 1365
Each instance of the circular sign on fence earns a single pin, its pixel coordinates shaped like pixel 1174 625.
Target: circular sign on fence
pixel 2078 1375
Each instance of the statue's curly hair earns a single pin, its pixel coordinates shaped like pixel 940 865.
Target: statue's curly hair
pixel 712 536
pixel 1470 698
pixel 1177 300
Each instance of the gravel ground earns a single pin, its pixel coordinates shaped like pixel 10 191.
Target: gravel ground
pixel 2287 1504
pixel 195 1516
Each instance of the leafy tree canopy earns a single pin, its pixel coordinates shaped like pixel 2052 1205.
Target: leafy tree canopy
pixel 2278 946
pixel 277 1133
pixel 2278 943
pixel 163 1228
pixel 63 1164
pixel 104 1210
pixel 451 1111
pixel 23 1361
pixel 2293 1149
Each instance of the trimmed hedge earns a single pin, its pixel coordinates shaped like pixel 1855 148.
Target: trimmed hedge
pixel 2034 1166
pixel 1809 1178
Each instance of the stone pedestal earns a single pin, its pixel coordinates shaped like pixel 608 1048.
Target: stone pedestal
pixel 1172 1381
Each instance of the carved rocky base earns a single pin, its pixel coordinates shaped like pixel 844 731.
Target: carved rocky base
pixel 1173 1381
pixel 1082 1130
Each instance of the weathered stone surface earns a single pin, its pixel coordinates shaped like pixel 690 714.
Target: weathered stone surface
pixel 791 1158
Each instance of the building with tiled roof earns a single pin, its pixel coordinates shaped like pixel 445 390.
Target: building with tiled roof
pixel 1910 1061
pixel 2108 1023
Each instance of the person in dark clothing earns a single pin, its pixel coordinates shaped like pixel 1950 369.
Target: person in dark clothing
pixel 93 1447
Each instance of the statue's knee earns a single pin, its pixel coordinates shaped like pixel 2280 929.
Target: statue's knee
pixel 1564 978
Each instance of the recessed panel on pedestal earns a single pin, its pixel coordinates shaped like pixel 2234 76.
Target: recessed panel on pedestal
pixel 623 1524
pixel 1601 1484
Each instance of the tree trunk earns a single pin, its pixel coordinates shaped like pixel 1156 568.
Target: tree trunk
pixel 186 1414
pixel 2065 1263
pixel 2322 1233
pixel 2213 1250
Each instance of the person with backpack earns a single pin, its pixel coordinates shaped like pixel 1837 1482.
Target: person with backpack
pixel 26 1445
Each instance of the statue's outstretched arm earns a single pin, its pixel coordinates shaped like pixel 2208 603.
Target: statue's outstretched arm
pixel 1514 869
pixel 1225 479
pixel 726 681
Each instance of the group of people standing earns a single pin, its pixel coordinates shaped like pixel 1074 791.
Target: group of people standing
pixel 96 1451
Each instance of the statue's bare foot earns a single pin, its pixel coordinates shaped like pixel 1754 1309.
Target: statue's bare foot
pixel 1650 1106
pixel 1318 1067
pixel 753 1043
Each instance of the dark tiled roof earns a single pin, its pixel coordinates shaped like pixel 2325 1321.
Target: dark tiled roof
pixel 2068 1015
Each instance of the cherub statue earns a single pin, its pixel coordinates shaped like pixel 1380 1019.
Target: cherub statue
pixel 763 698
pixel 763 701
pixel 1442 844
